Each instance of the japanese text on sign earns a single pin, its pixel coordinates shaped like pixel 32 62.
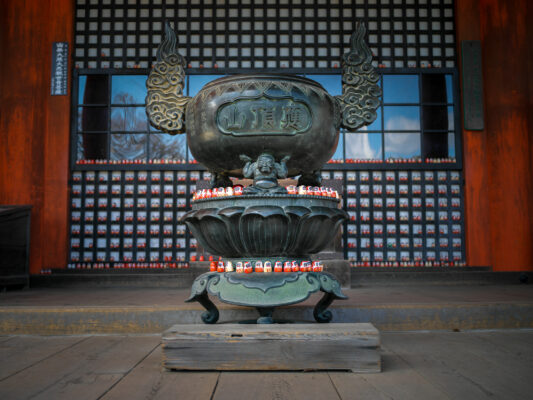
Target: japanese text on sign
pixel 59 69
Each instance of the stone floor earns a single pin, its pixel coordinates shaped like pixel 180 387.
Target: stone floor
pixel 362 296
pixel 495 364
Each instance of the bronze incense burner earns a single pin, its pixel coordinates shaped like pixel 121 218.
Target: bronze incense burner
pixel 265 127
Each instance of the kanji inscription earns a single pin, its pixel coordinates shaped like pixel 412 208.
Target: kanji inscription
pixel 264 116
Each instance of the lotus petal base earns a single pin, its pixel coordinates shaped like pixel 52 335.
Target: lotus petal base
pixel 265 226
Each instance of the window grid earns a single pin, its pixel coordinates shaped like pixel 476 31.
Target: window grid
pixel 250 34
pixel 444 160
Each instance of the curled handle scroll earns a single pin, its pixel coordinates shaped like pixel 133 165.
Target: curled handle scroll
pixel 165 102
pixel 360 90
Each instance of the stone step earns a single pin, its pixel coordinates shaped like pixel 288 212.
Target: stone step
pixel 128 319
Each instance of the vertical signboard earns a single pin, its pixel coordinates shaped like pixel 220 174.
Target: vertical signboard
pixel 59 69
pixel 472 85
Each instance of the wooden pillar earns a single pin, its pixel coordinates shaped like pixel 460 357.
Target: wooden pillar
pixel 507 94
pixel 498 161
pixel 34 144
pixel 477 217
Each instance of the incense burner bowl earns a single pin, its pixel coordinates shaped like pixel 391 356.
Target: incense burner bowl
pixel 283 115
pixel 265 227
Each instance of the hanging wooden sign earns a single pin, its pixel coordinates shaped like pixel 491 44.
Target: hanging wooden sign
pixel 472 85
pixel 59 69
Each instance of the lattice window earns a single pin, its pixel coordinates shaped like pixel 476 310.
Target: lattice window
pixel 240 34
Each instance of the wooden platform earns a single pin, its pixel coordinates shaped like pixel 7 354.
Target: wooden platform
pixel 474 365
pixel 286 347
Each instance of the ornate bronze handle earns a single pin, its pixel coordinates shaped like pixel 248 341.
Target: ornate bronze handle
pixel 165 103
pixel 360 91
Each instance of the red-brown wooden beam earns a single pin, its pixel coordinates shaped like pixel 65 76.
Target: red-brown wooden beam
pixel 498 161
pixel 504 28
pixel 34 126
pixel 477 217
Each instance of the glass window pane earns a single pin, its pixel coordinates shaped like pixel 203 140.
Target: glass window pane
pixel 434 88
pixel 197 82
pixel 451 144
pixel 92 119
pixel 449 88
pixel 79 148
pixel 128 89
pixel 451 118
pixel 363 146
pixel 128 119
pixel 190 157
pixel 82 82
pixel 436 118
pixel 400 89
pixel 435 145
pixel 339 152
pixel 332 83
pixel 165 146
pixel 402 118
pixel 93 89
pixel 402 145
pixel 128 146
pixel 92 146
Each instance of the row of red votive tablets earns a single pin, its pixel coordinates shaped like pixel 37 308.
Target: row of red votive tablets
pixel 408 264
pixel 400 160
pixel 238 191
pixel 133 162
pixel 132 265
pixel 266 267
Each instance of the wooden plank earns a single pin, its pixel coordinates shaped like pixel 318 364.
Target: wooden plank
pixel 275 385
pixel 515 345
pixel 459 359
pixel 84 371
pixel 433 370
pixel 150 380
pixel 399 381
pixel 355 386
pixel 24 351
pixel 272 347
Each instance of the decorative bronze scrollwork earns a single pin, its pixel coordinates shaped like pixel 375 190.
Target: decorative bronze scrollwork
pixel 360 91
pixel 165 103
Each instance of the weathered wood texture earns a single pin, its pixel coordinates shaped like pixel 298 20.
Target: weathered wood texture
pixel 275 385
pixel 498 162
pixel 34 126
pixel 149 380
pixel 85 370
pixel 273 347
pixel 416 365
pixel 464 365
pixel 21 352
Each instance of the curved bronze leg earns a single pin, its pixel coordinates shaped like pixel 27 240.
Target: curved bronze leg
pixel 212 314
pixel 265 315
pixel 320 313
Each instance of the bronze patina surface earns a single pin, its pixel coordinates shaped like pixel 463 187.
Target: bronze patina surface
pixel 264 127
pixel 265 292
pixel 265 227
pixel 289 117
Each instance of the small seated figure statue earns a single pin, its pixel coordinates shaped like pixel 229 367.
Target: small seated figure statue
pixel 265 171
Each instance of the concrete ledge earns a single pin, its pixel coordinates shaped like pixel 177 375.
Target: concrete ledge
pixel 435 276
pixel 26 320
pixel 286 347
pixel 348 277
